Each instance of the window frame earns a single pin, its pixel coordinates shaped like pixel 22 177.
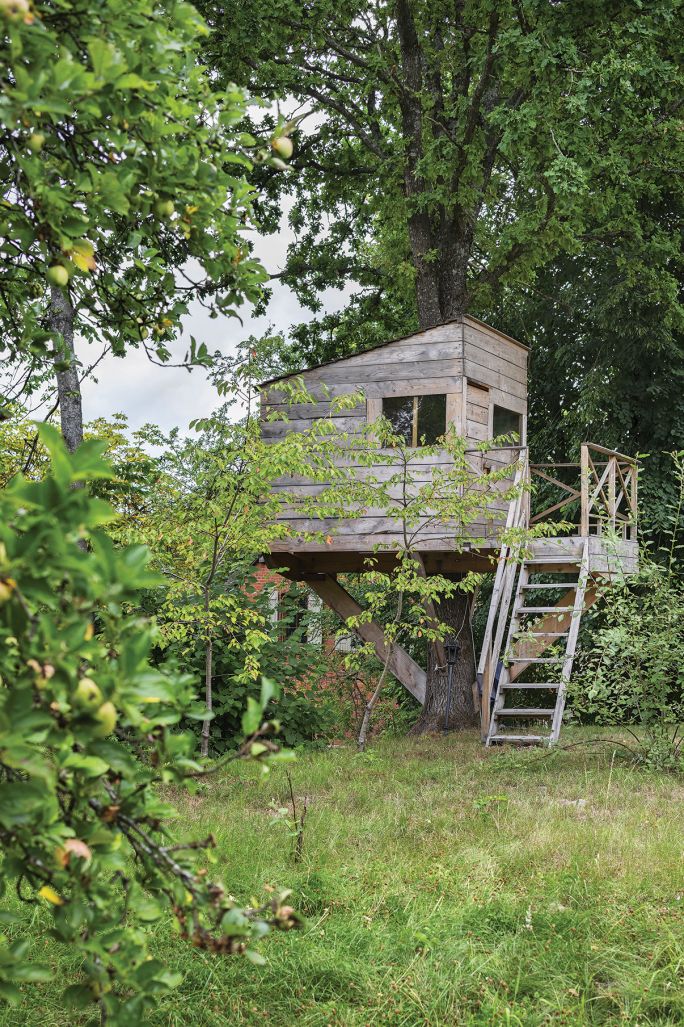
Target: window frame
pixel 520 431
pixel 415 443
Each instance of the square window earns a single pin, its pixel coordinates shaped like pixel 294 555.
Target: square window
pixel 507 422
pixel 419 420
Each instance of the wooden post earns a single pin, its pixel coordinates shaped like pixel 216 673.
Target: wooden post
pixel 611 492
pixel 486 683
pixel 584 489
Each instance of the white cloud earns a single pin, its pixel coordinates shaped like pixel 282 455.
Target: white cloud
pixel 170 396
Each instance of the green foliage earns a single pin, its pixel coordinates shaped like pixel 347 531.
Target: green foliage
pixel 122 169
pixel 483 139
pixel 631 670
pixel 88 729
pixel 306 709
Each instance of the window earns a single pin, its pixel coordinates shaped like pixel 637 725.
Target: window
pixel 420 420
pixel 506 422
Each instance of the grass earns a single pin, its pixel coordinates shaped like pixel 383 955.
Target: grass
pixel 443 884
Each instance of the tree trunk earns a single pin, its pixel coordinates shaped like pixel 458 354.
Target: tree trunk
pixel 208 695
pixel 419 227
pixel 455 246
pixel 61 319
pixel 462 712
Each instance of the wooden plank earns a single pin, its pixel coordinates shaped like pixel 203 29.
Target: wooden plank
pixel 386 372
pixel 312 410
pixel 404 668
pixel 475 322
pixel 584 490
pixel 508 386
pixel 478 413
pixel 498 352
pixel 476 430
pixel 406 352
pixel 280 428
pixel 486 359
pixel 406 385
pixel 360 543
pixel 454 411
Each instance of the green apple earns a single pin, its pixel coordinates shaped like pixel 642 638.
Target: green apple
pixel 164 208
pixel 283 147
pixel 36 141
pixel 57 274
pixel 87 695
pixel 15 9
pixel 106 718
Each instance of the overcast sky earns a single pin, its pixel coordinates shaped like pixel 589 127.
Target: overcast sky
pixel 170 396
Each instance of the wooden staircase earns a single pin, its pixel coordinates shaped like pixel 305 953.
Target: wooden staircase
pixel 540 619
pixel 537 627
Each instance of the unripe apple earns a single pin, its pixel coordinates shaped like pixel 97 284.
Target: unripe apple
pixel 164 208
pixel 6 589
pixel 87 695
pixel 14 9
pixel 106 717
pixel 283 147
pixel 36 141
pixel 57 274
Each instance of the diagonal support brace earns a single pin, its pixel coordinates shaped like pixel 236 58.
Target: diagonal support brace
pixel 403 667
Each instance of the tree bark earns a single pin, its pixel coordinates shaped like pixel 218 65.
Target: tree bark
pixel 208 695
pixel 419 225
pixel 61 319
pixel 462 712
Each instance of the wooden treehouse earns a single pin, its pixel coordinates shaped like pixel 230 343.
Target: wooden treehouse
pixel 470 376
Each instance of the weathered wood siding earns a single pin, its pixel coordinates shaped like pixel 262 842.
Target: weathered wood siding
pixel 473 366
pixel 495 373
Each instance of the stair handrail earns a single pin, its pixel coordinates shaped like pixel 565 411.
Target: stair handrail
pixel 518 516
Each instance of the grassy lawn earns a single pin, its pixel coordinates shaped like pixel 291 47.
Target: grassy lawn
pixel 443 884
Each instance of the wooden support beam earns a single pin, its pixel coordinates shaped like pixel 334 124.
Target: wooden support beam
pixel 404 668
pixel 553 622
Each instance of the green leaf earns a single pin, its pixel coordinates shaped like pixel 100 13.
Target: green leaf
pixel 9 993
pixel 269 690
pixel 251 718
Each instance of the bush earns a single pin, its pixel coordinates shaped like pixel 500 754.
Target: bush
pixel 632 670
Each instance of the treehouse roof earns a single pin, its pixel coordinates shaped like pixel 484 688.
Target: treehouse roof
pixel 467 319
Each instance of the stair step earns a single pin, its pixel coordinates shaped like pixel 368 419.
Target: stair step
pixel 524 711
pixel 537 659
pixel 518 738
pixel 509 685
pixel 543 634
pixel 542 609
pixel 568 558
pixel 557 585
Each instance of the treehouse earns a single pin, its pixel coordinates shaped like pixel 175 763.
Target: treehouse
pixel 463 376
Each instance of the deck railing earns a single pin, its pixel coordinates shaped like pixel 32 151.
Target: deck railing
pixel 603 492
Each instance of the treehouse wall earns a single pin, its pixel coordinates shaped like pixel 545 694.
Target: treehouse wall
pixel 480 371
